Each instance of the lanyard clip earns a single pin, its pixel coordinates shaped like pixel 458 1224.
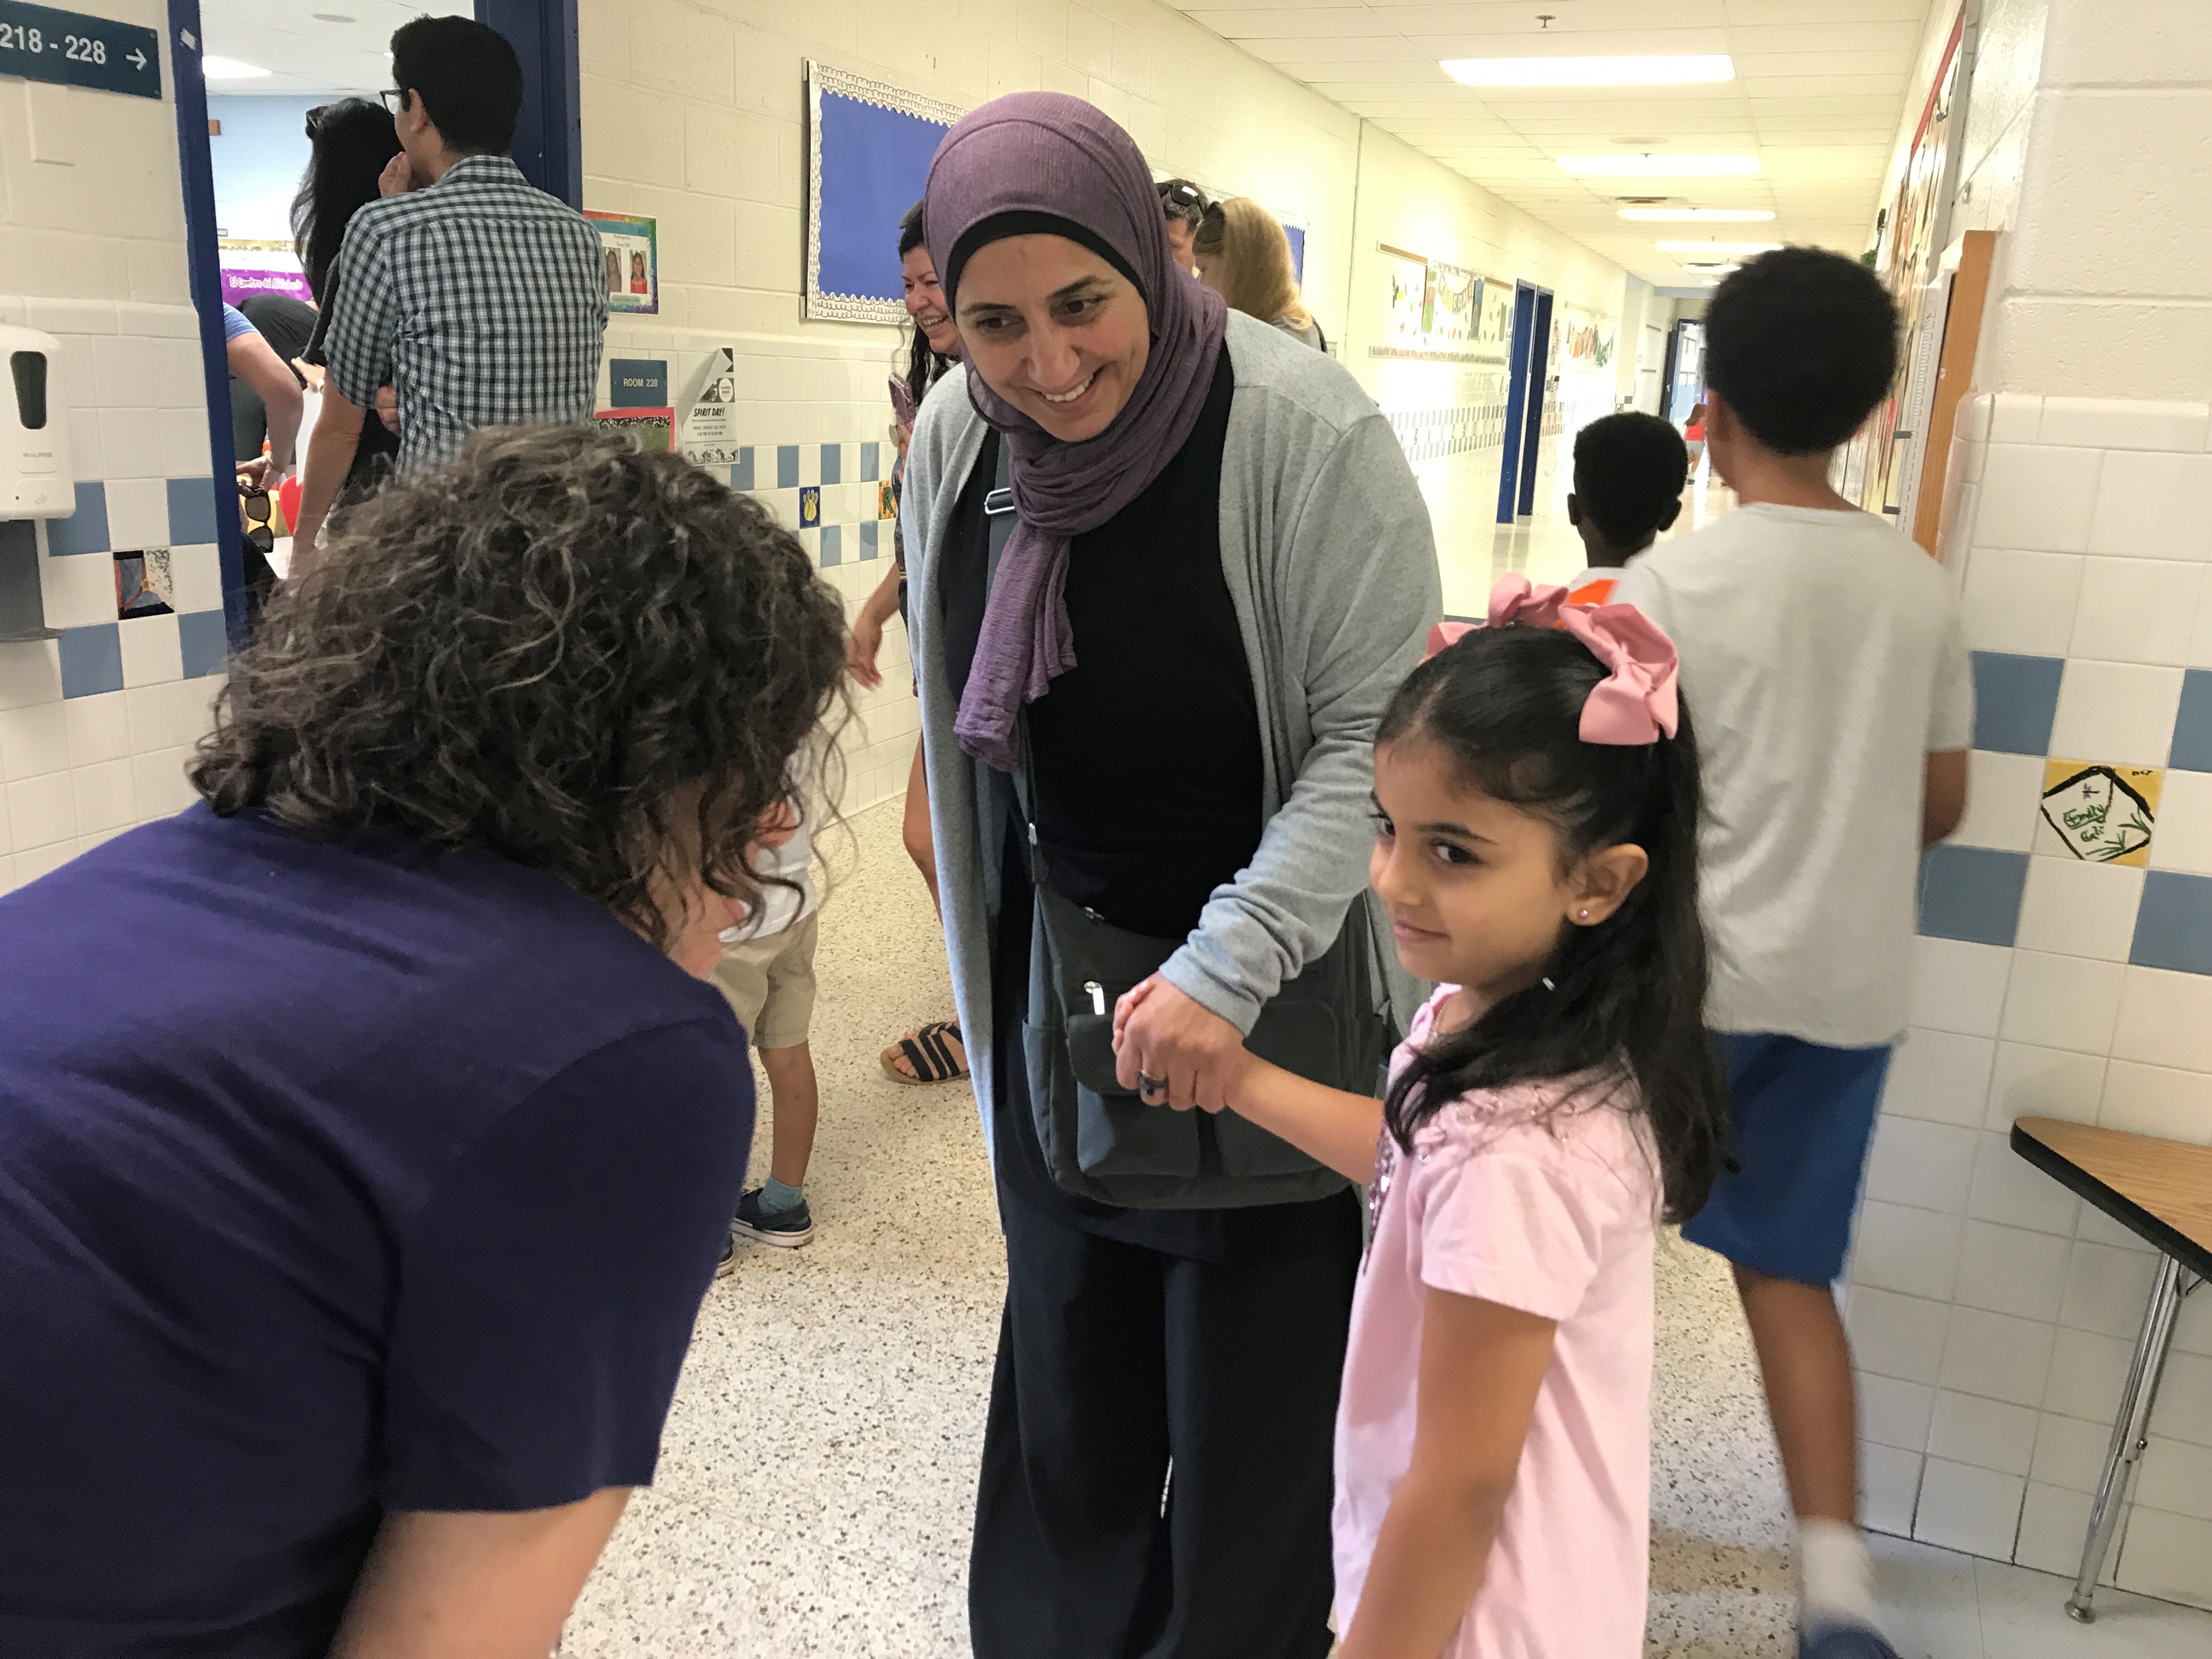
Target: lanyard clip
pixel 997 502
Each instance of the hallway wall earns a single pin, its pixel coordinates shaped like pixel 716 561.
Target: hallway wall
pixel 692 112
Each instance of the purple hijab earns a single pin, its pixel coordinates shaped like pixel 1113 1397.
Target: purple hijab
pixel 1044 152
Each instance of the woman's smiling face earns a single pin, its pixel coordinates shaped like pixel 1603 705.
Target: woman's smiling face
pixel 925 303
pixel 1055 330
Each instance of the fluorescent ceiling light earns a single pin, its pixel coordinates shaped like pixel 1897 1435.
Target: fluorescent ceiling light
pixel 229 69
pixel 1670 70
pixel 1650 215
pixel 1661 166
pixel 1719 250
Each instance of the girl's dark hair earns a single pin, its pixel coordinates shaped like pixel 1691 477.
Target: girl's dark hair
pixel 349 143
pixel 925 365
pixel 1625 1005
pixel 592 661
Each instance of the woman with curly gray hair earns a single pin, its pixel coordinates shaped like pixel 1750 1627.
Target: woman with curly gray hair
pixel 368 1142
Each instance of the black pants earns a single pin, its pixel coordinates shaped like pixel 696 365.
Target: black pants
pixel 1114 1359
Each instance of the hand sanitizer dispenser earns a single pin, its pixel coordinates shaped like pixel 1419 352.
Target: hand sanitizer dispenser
pixel 36 478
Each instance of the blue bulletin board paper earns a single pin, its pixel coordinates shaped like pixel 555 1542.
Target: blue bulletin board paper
pixel 72 50
pixel 869 148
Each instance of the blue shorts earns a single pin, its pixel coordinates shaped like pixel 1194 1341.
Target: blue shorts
pixel 1800 1118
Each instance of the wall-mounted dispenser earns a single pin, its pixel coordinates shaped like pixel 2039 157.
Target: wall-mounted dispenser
pixel 36 478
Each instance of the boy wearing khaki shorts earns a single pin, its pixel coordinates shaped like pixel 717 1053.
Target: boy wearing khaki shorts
pixel 766 972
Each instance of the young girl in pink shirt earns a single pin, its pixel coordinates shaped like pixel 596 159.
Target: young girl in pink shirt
pixel 1536 811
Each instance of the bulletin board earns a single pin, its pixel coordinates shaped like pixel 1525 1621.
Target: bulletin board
pixel 869 145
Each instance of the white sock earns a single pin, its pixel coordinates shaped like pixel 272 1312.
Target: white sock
pixel 1835 1575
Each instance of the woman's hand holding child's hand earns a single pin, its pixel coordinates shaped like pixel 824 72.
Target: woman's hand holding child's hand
pixel 1162 1032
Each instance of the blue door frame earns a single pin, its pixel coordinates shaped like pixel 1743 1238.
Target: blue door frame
pixel 1526 358
pixel 548 148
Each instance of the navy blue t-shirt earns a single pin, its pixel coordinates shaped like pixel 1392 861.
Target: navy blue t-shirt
pixel 334 1178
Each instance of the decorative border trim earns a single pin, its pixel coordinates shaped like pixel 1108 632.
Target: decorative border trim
pixel 817 305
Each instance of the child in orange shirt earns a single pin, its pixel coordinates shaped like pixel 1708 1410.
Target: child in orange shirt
pixel 1628 487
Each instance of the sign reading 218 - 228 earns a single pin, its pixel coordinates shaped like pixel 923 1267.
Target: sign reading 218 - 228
pixel 41 44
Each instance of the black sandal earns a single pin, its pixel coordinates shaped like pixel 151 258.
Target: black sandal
pixel 933 1060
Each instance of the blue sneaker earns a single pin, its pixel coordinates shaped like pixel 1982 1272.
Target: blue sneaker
pixel 786 1229
pixel 1845 1641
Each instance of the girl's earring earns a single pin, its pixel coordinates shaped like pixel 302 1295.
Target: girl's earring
pixel 1583 915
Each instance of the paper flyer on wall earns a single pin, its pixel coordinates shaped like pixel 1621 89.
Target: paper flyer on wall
pixel 709 432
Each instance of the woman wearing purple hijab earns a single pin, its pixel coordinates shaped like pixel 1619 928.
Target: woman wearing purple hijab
pixel 1167 566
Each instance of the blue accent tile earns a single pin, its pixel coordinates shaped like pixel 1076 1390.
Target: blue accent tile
pixel 2015 699
pixel 741 472
pixel 833 464
pixel 192 512
pixel 833 544
pixel 84 531
pixel 2173 923
pixel 810 507
pixel 1971 893
pixel 869 547
pixel 786 466
pixel 2192 728
pixel 871 461
pixel 205 638
pixel 92 660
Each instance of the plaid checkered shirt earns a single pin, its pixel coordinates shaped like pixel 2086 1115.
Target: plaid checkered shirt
pixel 480 300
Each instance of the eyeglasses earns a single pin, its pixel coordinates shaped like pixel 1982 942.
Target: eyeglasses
pixel 395 98
pixel 259 534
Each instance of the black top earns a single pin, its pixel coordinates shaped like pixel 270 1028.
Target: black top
pixel 376 452
pixel 1146 757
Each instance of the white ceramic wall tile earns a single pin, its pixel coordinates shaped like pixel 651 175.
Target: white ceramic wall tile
pixel 2192 1331
pixel 1895 1413
pixel 105 799
pixel 2038 498
pixel 1964 1508
pixel 99 728
pixel 33 742
pixel 2004 797
pixel 1987 1434
pixel 2029 1081
pixel 183 449
pixel 2116 713
pixel 70 316
pixel 2064 1002
pixel 2087 1372
pixel 86 454
pixel 137 514
pixel 2074 909
pixel 2107 1290
pixel 152 650
pixel 119 370
pixel 2168 1556
pixel 2185 1399
pixel 2052 1523
pixel 1889 1487
pixel 2166 1019
pixel 2136 611
pixel 1940 1077
pixel 196 573
pixel 43 861
pixel 2070 1451
pixel 2183 840
pixel 2200 642
pixel 1958 986
pixel 79 589
pixel 1996 1356
pixel 42 810
pixel 1901 1248
pixel 130 445
pixel 2094 1225
pixel 1928 1165
pixel 151 322
pixel 30 673
pixel 174 376
pixel 2012 1270
pixel 2153 1100
pixel 1896 1335
pixel 2009 1190
pixel 2176 1477
pixel 2016 417
pixel 163 789
pixel 2154 507
pixel 1972 423
pixel 2124 423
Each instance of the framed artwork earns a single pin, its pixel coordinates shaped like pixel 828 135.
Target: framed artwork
pixel 631 248
pixel 869 145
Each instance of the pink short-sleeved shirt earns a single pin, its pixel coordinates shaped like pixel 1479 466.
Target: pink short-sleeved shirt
pixel 1558 1219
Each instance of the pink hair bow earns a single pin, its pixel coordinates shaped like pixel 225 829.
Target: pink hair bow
pixel 1636 702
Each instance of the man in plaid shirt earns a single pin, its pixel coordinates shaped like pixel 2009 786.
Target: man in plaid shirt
pixel 478 299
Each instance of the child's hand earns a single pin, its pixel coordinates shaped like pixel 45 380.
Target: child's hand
pixel 1160 1031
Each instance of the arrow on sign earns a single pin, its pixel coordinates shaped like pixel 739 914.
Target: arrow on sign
pixel 139 59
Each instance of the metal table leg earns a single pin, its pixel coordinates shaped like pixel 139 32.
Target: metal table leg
pixel 2130 1432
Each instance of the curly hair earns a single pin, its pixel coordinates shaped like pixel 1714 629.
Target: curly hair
pixel 554 647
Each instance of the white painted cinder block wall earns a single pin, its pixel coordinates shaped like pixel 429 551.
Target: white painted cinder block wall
pixel 692 113
pixel 1991 1311
pixel 92 250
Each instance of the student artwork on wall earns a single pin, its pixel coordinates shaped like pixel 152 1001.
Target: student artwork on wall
pixel 868 148
pixel 2100 814
pixel 648 429
pixel 631 248
pixel 1436 311
pixel 1587 339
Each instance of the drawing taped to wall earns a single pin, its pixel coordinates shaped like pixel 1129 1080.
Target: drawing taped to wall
pixel 1435 310
pixel 2100 814
pixel 631 247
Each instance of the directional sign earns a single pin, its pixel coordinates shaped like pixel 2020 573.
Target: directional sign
pixel 41 44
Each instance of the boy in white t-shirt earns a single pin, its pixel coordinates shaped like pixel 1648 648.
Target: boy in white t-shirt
pixel 1822 654
pixel 766 972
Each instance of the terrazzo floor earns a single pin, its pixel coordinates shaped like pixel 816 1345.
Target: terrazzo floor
pixel 818 1469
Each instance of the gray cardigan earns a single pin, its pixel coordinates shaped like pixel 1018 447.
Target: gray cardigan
pixel 1325 546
